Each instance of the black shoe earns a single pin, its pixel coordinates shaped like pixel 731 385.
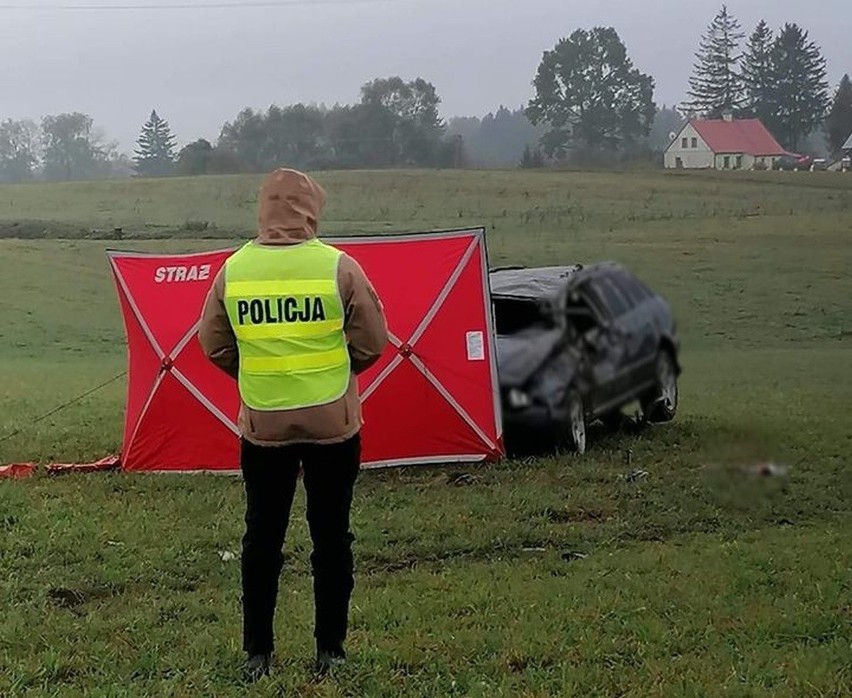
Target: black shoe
pixel 328 661
pixel 257 666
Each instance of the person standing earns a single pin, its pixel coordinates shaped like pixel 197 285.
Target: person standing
pixel 294 321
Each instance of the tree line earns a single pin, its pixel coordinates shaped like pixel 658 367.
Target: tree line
pixel 777 78
pixel 590 103
pixel 60 147
pixel 396 123
pixel 593 100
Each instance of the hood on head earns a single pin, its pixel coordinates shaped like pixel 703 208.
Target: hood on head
pixel 290 204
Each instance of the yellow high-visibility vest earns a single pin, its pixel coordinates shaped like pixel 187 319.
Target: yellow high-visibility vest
pixel 284 305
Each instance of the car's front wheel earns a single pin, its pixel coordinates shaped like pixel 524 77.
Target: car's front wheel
pixel 660 405
pixel 574 433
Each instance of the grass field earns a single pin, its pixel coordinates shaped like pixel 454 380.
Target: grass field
pixel 697 580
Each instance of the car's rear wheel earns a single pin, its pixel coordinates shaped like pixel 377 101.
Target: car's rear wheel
pixel 574 432
pixel 660 404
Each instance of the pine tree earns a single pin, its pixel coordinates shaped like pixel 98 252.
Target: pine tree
pixel 839 123
pixel 800 97
pixel 155 155
pixel 758 73
pixel 716 85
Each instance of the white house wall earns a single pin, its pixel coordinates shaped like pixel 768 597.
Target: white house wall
pixel 691 158
pixel 745 162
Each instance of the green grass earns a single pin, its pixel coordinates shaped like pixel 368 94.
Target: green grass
pixel 699 579
pixel 512 202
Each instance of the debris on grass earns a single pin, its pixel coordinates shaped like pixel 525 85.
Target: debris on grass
pixel 105 464
pixel 635 475
pixel 571 556
pixel 580 515
pixel 227 556
pixel 462 479
pixel 769 469
pixel 17 471
pixel 66 598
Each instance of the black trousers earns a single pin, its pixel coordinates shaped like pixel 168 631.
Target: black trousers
pixel 270 476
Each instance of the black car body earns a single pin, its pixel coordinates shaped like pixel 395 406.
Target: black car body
pixel 596 335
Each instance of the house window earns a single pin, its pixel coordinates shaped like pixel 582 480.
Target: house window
pixel 694 142
pixel 727 162
pixel 739 162
pixel 684 143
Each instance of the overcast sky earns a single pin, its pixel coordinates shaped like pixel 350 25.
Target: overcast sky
pixel 199 67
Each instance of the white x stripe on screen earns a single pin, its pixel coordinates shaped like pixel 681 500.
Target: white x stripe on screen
pixel 418 363
pixel 168 360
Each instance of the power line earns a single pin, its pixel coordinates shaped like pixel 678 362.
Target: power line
pixel 223 5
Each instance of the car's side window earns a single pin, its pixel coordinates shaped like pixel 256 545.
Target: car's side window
pixel 611 296
pixel 647 292
pixel 579 314
pixel 615 282
pixel 593 298
pixel 631 288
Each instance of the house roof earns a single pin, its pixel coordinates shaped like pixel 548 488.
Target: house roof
pixel 848 144
pixel 748 136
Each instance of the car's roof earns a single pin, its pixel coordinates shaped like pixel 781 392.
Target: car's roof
pixel 542 282
pixel 538 282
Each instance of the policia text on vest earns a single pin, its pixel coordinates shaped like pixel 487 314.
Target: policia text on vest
pixel 287 315
pixel 271 311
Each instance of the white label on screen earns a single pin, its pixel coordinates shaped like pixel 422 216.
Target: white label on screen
pixel 475 346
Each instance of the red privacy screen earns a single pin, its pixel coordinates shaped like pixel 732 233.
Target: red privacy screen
pixel 432 397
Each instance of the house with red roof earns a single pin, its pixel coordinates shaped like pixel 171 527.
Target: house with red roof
pixel 723 144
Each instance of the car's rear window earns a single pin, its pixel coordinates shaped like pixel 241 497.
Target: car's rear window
pixel 514 315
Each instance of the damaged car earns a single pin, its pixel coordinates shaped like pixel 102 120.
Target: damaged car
pixel 578 344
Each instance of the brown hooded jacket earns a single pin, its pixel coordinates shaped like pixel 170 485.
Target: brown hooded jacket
pixel 290 206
